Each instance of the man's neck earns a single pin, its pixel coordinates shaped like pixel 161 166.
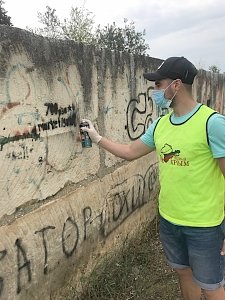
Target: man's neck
pixel 183 106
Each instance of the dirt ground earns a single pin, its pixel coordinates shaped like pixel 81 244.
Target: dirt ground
pixel 138 272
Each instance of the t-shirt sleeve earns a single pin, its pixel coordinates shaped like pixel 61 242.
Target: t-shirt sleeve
pixel 216 135
pixel 148 137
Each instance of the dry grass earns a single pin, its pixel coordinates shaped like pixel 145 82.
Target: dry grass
pixel 138 272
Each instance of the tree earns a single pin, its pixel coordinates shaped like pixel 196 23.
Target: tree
pixel 214 69
pixel 79 26
pixel 4 19
pixel 122 38
pixel 51 22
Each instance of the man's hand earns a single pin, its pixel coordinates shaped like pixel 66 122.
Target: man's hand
pixel 222 252
pixel 94 135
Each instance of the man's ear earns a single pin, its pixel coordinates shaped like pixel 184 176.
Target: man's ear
pixel 178 84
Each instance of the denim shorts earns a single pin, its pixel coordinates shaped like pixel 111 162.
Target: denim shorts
pixel 195 247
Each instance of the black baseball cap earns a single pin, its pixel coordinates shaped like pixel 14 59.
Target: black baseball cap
pixel 174 68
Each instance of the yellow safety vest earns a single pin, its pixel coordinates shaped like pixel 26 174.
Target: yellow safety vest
pixel 192 184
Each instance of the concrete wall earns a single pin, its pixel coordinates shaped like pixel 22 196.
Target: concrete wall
pixel 61 205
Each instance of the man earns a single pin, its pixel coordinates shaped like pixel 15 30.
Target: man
pixel 190 143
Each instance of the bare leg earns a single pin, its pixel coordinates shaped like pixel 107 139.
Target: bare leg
pixel 190 290
pixel 218 294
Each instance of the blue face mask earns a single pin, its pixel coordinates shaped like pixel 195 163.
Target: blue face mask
pixel 158 97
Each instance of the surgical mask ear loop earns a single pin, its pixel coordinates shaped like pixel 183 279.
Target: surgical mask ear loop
pixel 173 95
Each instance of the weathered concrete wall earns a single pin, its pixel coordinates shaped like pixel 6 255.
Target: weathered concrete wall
pixel 209 88
pixel 62 206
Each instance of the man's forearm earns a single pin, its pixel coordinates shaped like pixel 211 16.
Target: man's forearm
pixel 129 151
pixel 120 150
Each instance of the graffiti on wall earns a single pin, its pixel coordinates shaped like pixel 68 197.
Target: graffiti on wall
pixel 66 117
pixel 121 202
pixel 28 125
pixel 140 114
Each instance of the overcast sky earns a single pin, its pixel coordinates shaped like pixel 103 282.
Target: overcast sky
pixel 191 28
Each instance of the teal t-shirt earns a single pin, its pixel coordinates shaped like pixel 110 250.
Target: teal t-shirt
pixel 215 128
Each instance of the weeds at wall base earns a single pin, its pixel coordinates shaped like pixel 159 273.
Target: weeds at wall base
pixel 137 272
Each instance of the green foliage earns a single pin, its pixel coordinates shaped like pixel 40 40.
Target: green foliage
pixel 214 69
pixel 77 27
pixel 122 38
pixel 51 24
pixel 80 28
pixel 4 19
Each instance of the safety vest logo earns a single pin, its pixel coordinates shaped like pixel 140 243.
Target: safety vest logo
pixel 167 153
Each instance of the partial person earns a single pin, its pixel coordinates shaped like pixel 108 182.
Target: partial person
pixel 190 145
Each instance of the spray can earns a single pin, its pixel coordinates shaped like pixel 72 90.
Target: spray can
pixel 85 138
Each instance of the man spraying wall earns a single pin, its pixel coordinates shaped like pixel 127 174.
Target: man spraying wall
pixel 190 144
